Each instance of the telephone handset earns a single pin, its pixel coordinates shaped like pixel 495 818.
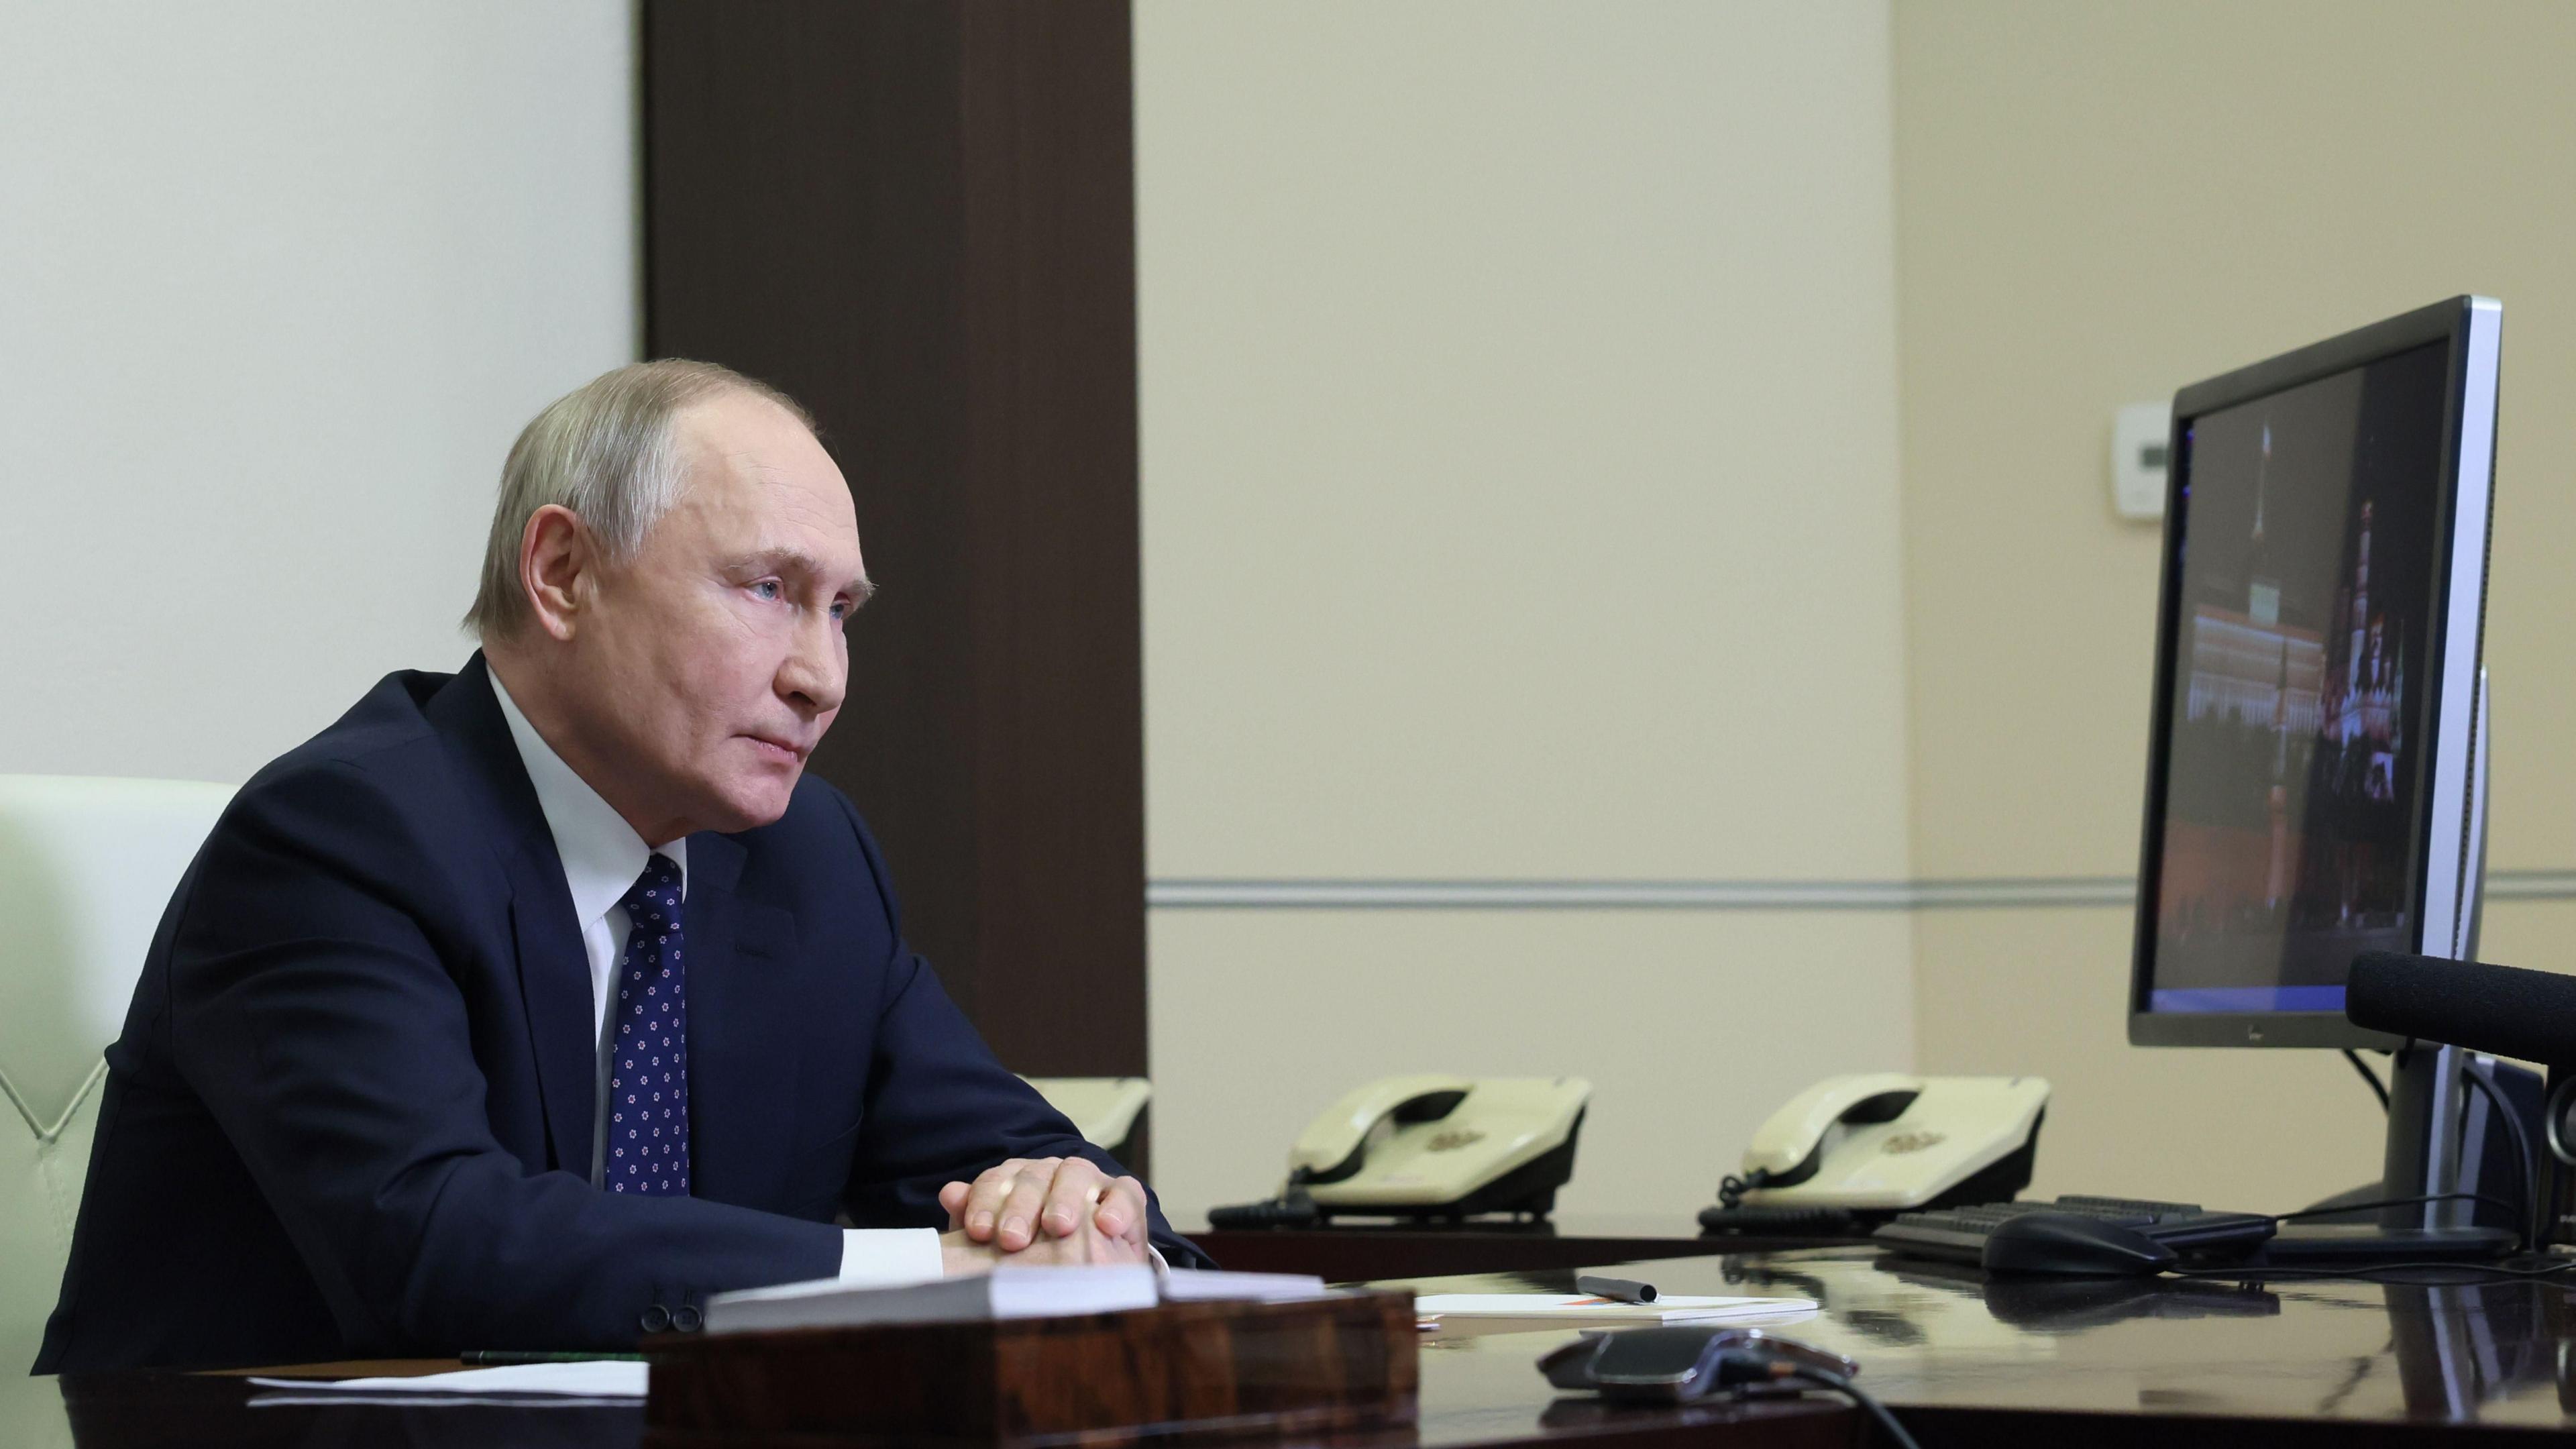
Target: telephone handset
pixel 1886 1142
pixel 1429 1145
pixel 1786 1148
pixel 1333 1145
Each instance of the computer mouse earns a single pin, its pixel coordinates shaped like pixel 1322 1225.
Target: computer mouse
pixel 2070 1245
pixel 1680 1362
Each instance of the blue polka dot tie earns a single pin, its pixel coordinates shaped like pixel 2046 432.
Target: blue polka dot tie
pixel 648 1088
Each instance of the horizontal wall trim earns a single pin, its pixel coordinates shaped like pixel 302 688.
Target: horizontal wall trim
pixel 1998 893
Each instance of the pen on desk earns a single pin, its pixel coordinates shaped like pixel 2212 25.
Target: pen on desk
pixel 495 1357
pixel 1617 1290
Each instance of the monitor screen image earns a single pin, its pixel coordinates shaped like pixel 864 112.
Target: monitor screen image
pixel 2294 803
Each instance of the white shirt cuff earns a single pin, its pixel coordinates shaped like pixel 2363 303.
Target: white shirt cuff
pixel 889 1255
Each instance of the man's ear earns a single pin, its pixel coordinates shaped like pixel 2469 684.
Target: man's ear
pixel 557 562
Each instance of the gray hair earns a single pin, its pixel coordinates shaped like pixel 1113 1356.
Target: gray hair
pixel 604 451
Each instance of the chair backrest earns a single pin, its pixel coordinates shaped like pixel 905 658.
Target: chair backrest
pixel 1103 1109
pixel 86 868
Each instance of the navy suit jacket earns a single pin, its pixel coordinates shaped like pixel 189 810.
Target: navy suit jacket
pixel 350 1113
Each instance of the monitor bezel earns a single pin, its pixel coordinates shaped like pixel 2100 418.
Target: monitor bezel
pixel 2446 889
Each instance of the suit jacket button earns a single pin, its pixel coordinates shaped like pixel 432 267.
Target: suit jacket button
pixel 685 1318
pixel 654 1319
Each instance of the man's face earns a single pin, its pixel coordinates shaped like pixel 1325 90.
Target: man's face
pixel 712 662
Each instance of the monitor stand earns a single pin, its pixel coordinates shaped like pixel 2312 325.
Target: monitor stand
pixel 2428 1151
pixel 2423 1157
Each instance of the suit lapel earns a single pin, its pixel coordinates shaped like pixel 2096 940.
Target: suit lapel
pixel 742 1069
pixel 554 988
pixel 554 967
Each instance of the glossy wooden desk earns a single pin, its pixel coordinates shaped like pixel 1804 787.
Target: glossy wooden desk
pixel 1476 1394
pixel 1964 1362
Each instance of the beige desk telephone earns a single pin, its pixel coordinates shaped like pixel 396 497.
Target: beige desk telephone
pixel 1884 1142
pixel 1429 1146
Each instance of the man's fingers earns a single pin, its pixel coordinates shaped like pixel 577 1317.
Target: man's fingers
pixel 1122 1208
pixel 1020 1207
pixel 1085 1244
pixel 958 1256
pixel 1090 1245
pixel 1012 1204
pixel 983 1202
pixel 1106 1249
pixel 982 1217
pixel 1077 1186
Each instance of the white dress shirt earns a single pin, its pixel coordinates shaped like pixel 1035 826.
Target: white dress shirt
pixel 602 858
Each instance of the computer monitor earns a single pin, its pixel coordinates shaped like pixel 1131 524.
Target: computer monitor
pixel 2313 779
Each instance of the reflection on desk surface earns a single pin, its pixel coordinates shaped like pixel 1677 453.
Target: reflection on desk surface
pixel 1928 1337
pixel 1996 1360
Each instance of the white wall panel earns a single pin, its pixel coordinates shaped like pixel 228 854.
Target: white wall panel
pixel 279 282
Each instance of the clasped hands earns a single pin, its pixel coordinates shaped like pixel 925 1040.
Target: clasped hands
pixel 1043 1210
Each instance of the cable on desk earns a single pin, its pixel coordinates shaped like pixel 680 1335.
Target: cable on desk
pixel 2256 1273
pixel 2480 1272
pixel 2378 1088
pixel 2526 1179
pixel 2390 1202
pixel 1866 1403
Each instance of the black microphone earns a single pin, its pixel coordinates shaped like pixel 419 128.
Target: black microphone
pixel 2501 1009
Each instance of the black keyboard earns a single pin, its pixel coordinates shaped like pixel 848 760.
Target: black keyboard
pixel 1958 1234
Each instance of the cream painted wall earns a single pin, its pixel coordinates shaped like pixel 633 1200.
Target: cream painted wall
pixel 278 284
pixel 1519 501
pixel 2044 991
pixel 2095 205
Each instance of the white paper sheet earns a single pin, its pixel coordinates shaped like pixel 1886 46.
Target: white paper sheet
pixel 1583 1308
pixel 595 1380
pixel 1208 1285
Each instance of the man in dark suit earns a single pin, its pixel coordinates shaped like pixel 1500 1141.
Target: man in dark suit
pixel 528 1007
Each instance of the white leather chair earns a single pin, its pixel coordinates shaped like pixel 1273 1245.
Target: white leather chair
pixel 1102 1109
pixel 86 867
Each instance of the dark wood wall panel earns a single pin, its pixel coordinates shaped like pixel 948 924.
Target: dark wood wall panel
pixel 1050 218
pixel 917 217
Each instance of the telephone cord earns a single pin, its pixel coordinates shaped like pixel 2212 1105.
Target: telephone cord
pixel 1864 1401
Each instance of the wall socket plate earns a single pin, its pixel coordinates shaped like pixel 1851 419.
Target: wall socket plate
pixel 2140 433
